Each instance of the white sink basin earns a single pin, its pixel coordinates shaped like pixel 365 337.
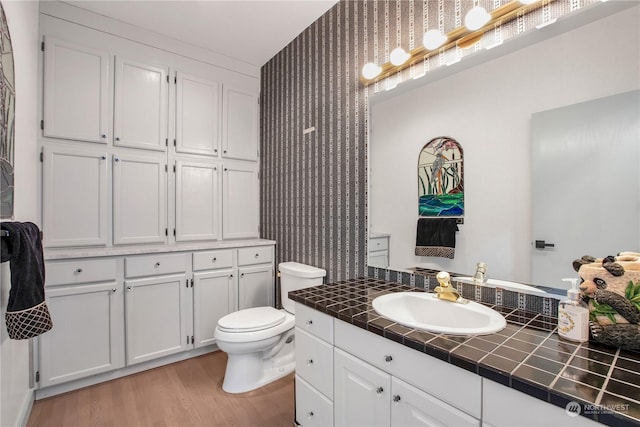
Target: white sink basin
pixel 425 311
pixel 504 284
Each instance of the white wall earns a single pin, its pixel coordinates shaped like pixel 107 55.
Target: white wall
pixel 488 108
pixel 22 17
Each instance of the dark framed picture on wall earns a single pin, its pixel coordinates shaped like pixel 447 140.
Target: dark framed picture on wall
pixel 7 119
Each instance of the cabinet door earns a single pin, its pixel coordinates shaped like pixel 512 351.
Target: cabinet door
pixel 139 199
pixel 74 197
pixel 213 297
pixel 88 333
pixel 76 87
pixel 255 286
pixel 140 114
pixel 240 202
pixel 197 201
pixel 413 407
pixel 197 115
pixel 155 317
pixel 240 124
pixel 361 392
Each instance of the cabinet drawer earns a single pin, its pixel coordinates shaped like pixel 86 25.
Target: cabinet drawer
pixel 80 271
pixel 314 359
pixel 312 408
pixel 154 265
pixel 418 369
pixel 256 255
pixel 211 260
pixel 378 244
pixel 314 322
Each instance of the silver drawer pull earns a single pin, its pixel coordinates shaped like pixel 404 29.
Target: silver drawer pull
pixel 396 398
pixel 157 264
pixel 128 288
pixel 309 322
pixel 388 358
pixel 214 259
pixel 113 290
pixel 309 362
pixel 379 391
pixel 257 256
pixel 309 414
pixel 78 270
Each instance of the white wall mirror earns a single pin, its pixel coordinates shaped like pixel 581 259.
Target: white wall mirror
pixel 487 102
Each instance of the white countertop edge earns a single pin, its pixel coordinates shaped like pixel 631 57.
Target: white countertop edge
pixel 66 253
pixel 374 235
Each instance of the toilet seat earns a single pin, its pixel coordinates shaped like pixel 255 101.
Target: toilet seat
pixel 251 320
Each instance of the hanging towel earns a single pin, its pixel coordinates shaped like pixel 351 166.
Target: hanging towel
pixel 27 314
pixel 436 237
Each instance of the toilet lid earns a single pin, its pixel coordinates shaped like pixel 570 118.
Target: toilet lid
pixel 251 319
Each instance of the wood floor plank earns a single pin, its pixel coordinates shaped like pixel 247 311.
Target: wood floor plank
pixel 187 393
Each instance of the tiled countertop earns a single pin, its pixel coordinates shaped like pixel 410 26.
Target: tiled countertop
pixel 527 355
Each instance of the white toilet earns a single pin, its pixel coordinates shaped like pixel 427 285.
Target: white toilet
pixel 259 341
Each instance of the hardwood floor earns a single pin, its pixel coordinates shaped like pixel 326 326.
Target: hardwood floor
pixel 187 393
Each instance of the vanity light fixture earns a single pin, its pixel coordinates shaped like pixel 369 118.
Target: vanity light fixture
pixel 477 22
pixel 398 56
pixel 433 39
pixel 476 18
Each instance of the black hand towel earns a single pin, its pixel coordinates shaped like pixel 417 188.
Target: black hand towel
pixel 27 314
pixel 436 237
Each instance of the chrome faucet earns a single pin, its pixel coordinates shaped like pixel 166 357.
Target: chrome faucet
pixel 480 278
pixel 447 292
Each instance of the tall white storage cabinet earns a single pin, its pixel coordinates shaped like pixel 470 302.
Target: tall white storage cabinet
pixel 140 114
pixel 240 201
pixel 85 301
pixel 149 151
pixel 240 124
pixel 75 211
pixel 76 85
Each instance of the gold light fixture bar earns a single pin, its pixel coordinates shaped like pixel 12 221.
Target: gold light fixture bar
pixel 461 37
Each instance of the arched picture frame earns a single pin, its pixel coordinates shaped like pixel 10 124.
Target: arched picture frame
pixel 441 178
pixel 7 119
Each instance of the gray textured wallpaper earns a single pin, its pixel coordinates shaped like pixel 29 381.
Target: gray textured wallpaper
pixel 314 120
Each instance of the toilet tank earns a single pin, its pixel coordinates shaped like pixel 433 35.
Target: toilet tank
pixel 294 276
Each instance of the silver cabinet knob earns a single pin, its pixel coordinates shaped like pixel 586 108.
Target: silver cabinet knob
pixel 257 256
pixel 128 288
pixel 309 322
pixel 116 159
pixel 103 136
pixel 113 290
pixel 379 391
pixel 78 270
pixel 117 139
pixel 103 157
pixel 157 265
pixel 396 398
pixel 309 414
pixel 214 259
pixel 309 362
pixel 388 358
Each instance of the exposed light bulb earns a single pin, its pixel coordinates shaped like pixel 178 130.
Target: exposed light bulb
pixel 371 70
pixel 398 56
pixel 433 39
pixel 476 18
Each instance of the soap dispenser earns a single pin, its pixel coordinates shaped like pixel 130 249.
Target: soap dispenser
pixel 573 315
